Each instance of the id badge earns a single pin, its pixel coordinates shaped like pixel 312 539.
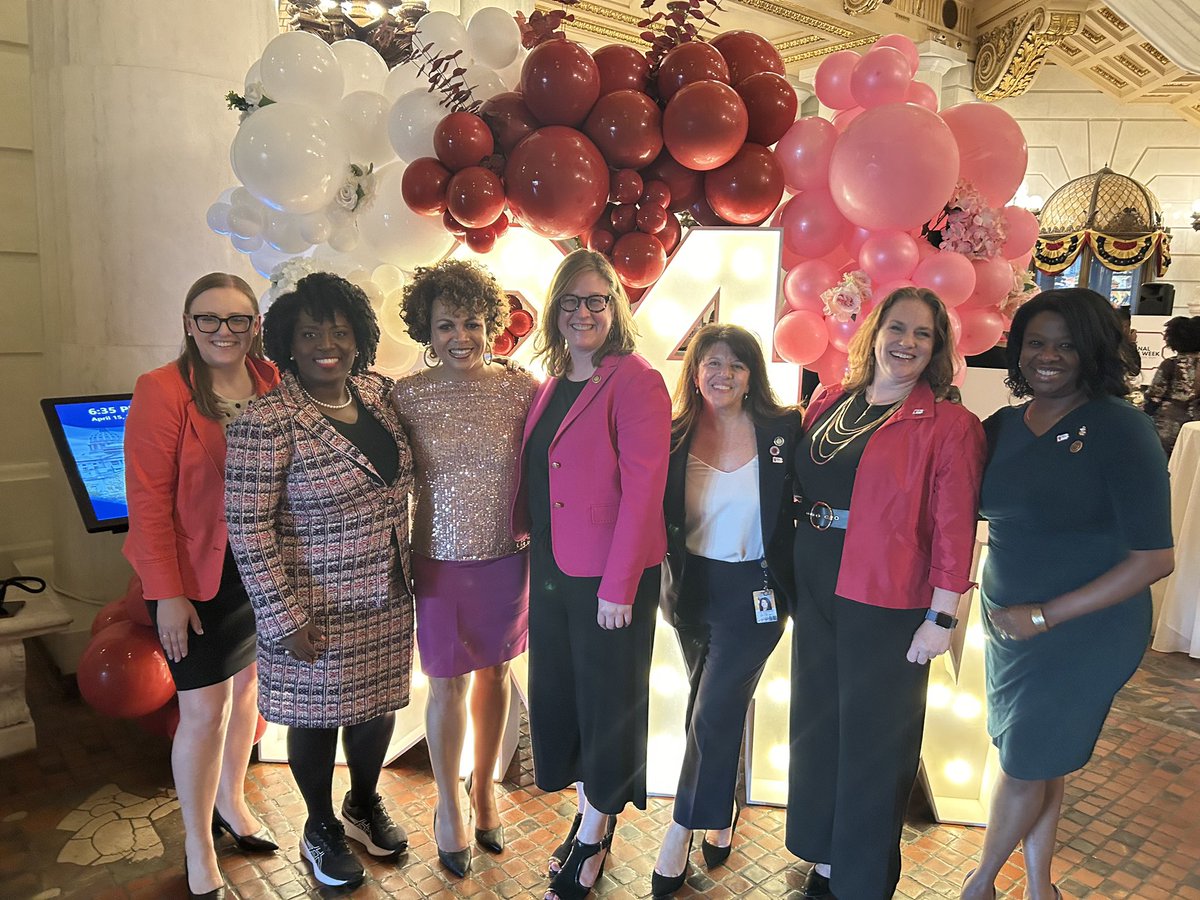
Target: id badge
pixel 764 607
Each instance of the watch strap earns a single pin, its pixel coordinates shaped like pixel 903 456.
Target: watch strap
pixel 945 620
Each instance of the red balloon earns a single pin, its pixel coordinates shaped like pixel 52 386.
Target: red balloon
pixel 452 224
pixel 687 64
pixel 747 54
pixel 600 239
pixel 163 721
pixel 747 188
pixel 504 343
pixel 638 259
pixel 423 186
pixel 771 105
pixel 621 69
pixel 657 193
pixel 832 80
pixel 135 604
pixel 560 83
pixel 800 336
pixel 475 197
pixel 623 218
pixel 481 240
pixel 651 218
pixel 703 213
pixel 880 77
pixel 804 152
pixel 704 125
pixel 685 185
pixel 520 322
pixel 812 225
pixel 110 614
pixel 557 181
pixel 500 226
pixel 625 186
pixel 123 672
pixel 260 728
pixel 804 284
pixel 992 150
pixel 627 127
pixel 509 119
pixel 462 139
pixel 670 234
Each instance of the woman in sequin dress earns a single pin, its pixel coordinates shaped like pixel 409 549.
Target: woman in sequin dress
pixel 464 416
pixel 1174 396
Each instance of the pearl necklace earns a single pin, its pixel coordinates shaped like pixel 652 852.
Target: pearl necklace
pixel 349 399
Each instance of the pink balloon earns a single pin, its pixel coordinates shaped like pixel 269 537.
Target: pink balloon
pixel 1022 227
pixel 843 117
pixel 894 167
pixel 881 76
pixel 955 325
pixel 993 281
pixel 888 255
pixel 883 291
pixel 858 237
pixel 922 95
pixel 840 259
pixel 981 328
pixel 992 150
pixel 832 81
pixel 800 336
pixel 1021 263
pixel 840 333
pixel 830 367
pixel 924 248
pixel 804 153
pixel 812 225
pixel 960 370
pixel 949 275
pixel 804 284
pixel 905 46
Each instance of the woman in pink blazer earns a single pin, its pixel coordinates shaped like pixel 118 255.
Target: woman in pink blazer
pixel 178 545
pixel 594 467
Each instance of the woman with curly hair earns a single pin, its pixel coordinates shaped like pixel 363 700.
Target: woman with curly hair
pixel 317 485
pixel 1174 395
pixel 464 415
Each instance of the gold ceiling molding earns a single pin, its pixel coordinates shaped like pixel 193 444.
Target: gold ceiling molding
pixel 793 43
pixel 613 34
pixel 1109 77
pixel 832 48
pixel 789 13
pixel 1011 54
pixel 1116 21
pixel 1092 36
pixel 860 7
pixel 595 9
pixel 1156 53
pixel 1133 65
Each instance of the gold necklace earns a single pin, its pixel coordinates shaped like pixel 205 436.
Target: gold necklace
pixel 832 436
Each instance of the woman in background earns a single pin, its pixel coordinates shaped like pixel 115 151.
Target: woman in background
pixel 178 545
pixel 1173 398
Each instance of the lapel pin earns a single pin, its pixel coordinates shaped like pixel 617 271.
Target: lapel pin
pixel 596 379
pixel 1083 431
pixel 1062 437
pixel 778 442
pixel 918 412
pixel 774 451
pixel 1076 446
pixel 776 459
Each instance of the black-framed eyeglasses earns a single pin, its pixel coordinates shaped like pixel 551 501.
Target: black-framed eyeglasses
pixel 596 303
pixel 210 324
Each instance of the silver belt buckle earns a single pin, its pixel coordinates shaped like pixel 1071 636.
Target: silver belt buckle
pixel 821 516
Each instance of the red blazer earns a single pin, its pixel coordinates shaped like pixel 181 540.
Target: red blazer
pixel 915 503
pixel 608 471
pixel 175 485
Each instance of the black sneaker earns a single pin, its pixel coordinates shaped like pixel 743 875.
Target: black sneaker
pixel 324 845
pixel 373 828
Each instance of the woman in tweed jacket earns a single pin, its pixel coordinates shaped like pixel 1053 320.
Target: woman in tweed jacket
pixel 317 486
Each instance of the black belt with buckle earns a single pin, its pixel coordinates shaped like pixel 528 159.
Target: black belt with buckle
pixel 822 516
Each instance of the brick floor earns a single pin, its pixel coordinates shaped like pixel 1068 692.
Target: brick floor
pixel 1131 824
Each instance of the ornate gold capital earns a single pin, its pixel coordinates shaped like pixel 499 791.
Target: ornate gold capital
pixel 1011 54
pixel 860 7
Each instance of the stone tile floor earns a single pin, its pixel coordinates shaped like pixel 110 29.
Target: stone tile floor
pixel 1131 826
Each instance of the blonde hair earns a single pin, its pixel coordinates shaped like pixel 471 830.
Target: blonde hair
pixel 940 371
pixel 191 364
pixel 550 346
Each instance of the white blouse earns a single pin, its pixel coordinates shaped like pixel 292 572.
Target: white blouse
pixel 722 520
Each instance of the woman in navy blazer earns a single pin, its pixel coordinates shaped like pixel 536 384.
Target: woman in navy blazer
pixel 594 464
pixel 728 577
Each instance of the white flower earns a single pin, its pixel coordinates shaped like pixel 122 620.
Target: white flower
pixel 347 195
pixel 254 93
pixel 286 275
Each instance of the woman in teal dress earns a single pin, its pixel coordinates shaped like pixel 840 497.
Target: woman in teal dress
pixel 1078 507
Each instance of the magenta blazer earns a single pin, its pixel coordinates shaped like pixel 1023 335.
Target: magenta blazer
pixel 608 472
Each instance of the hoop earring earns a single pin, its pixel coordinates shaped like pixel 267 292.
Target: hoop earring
pixel 429 357
pixel 487 358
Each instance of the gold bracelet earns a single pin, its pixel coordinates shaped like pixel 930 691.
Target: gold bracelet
pixel 1038 618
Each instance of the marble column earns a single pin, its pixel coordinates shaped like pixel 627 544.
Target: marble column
pixel 131 145
pixel 947 71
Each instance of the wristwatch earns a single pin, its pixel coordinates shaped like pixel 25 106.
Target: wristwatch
pixel 945 620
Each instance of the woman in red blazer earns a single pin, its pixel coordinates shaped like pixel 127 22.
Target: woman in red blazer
pixel 594 467
pixel 888 473
pixel 178 545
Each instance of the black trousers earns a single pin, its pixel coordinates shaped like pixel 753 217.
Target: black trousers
pixel 589 689
pixel 857 717
pixel 725 651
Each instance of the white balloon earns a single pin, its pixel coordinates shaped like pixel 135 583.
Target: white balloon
pixel 298 67
pixel 493 37
pixel 510 76
pixel 283 233
pixel 402 79
pixel 391 319
pixel 389 278
pixel 227 195
pixel 397 234
pixel 365 128
pixel 394 358
pixel 441 29
pixel 315 227
pixel 253 74
pixel 246 221
pixel 411 123
pixel 290 157
pixel 218 217
pixel 484 83
pixel 242 197
pixel 267 258
pixel 344 238
pixel 363 69
pixel 246 244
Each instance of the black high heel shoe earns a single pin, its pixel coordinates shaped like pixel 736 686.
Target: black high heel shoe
pixel 666 885
pixel 220 892
pixel 559 856
pixel 715 856
pixel 565 884
pixel 262 841
pixel 490 839
pixel 458 862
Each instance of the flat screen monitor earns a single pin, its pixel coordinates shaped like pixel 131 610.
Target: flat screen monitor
pixel 89 435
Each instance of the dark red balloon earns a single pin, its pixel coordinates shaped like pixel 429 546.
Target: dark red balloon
pixel 600 239
pixel 560 83
pixel 746 54
pixel 163 721
pixel 509 119
pixel 621 69
pixel 462 139
pixel 557 181
pixel 670 234
pixel 771 104
pixel 504 343
pixel 627 127
pixel 475 197
pixel 638 259
pixel 520 322
pixel 623 218
pixel 452 224
pixel 423 186
pixel 705 124
pixel 652 218
pixel 746 189
pixel 685 184
pixel 481 240
pixel 687 64
pixel 703 213
pixel 625 186
pixel 110 614
pixel 123 672
pixel 657 193
pixel 500 226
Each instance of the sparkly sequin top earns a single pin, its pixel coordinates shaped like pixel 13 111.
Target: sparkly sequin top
pixel 466 438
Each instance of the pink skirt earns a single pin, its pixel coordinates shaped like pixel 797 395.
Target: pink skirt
pixel 470 615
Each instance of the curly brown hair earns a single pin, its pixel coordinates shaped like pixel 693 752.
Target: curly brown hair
pixel 464 286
